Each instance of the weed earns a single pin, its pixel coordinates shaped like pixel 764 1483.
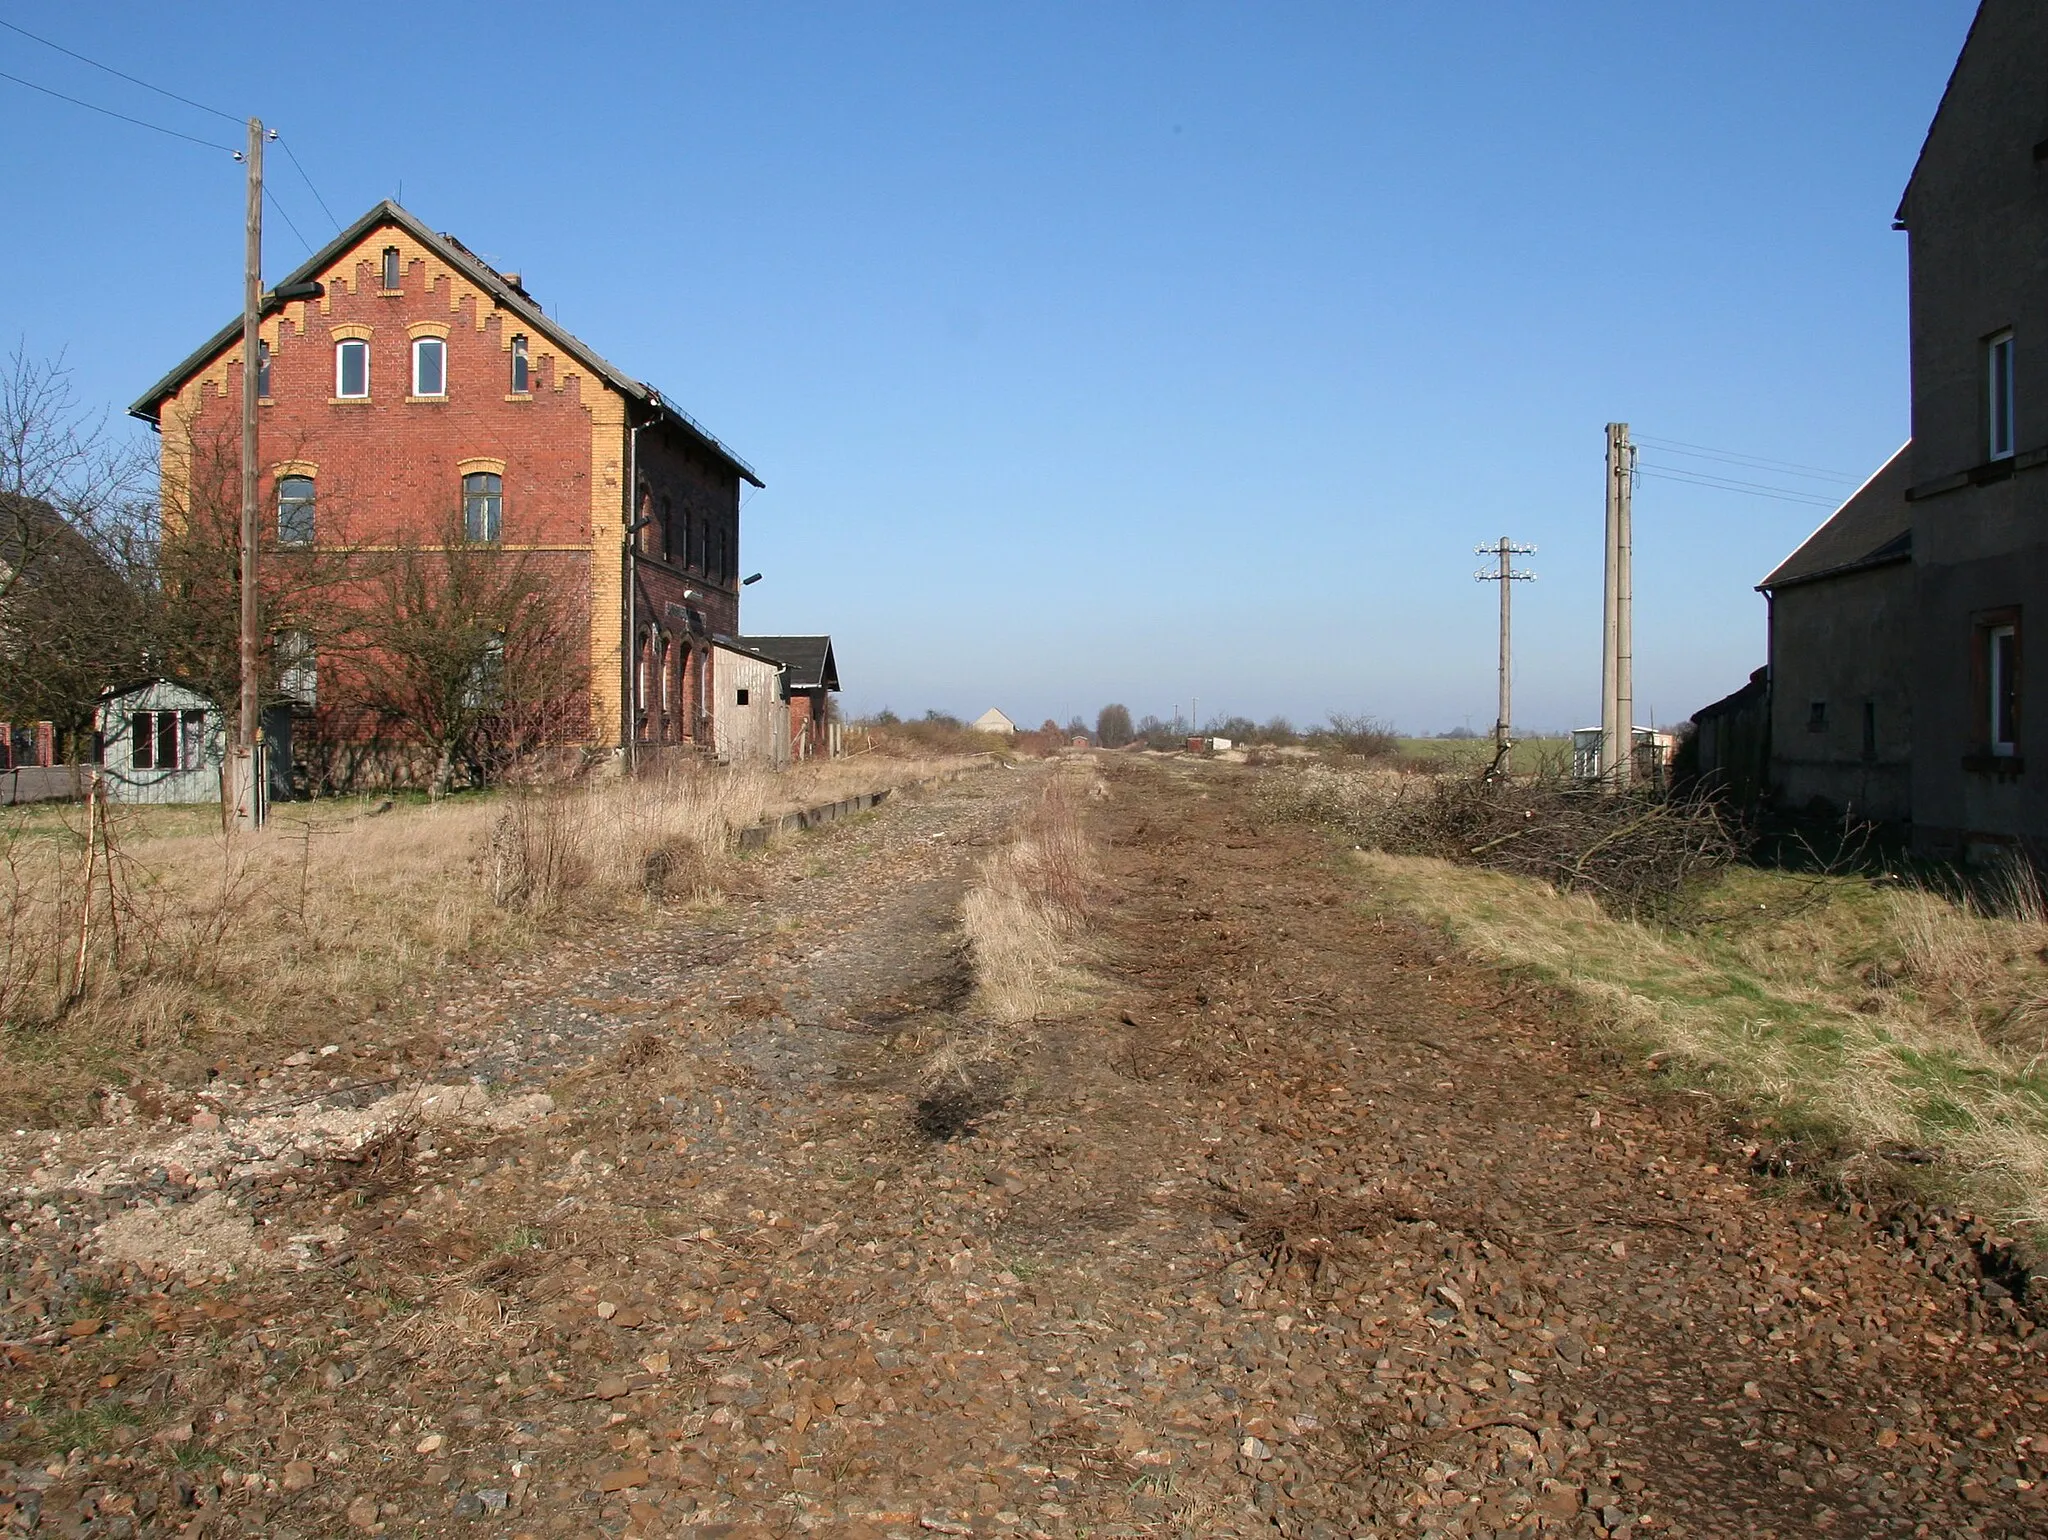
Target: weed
pixel 90 1427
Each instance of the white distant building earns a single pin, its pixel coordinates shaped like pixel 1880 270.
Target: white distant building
pixel 993 721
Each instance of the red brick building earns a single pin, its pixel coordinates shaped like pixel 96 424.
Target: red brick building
pixel 423 388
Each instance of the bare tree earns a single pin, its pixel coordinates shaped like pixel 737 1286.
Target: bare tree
pixel 75 548
pixel 469 652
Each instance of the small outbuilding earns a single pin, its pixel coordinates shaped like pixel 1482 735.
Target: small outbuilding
pixel 750 722
pixel 810 674
pixel 993 721
pixel 160 742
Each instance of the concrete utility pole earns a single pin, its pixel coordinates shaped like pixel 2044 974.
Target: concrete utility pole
pixel 1617 660
pixel 245 772
pixel 1504 574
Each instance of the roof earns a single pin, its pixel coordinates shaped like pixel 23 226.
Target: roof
pixel 808 658
pixel 993 718
pixel 55 538
pixel 1736 700
pixel 508 296
pixel 746 648
pixel 1872 529
pixel 18 517
pixel 1948 91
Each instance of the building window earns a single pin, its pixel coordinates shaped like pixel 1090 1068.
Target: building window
pixel 390 278
pixel 486 683
pixel 263 370
pixel 295 510
pixel 1817 716
pixel 483 502
pixel 522 376
pixel 298 670
pixel 429 367
pixel 166 740
pixel 739 697
pixel 1870 730
pixel 2002 670
pixel 722 571
pixel 668 524
pixel 352 369
pixel 1998 394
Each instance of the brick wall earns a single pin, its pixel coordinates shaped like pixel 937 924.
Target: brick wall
pixel 390 467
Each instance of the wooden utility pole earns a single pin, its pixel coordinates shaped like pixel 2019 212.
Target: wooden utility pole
pixel 1617 660
pixel 245 775
pixel 1504 573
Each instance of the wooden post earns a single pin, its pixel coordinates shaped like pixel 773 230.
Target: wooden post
pixel 247 808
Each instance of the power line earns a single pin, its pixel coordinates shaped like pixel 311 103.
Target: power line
pixel 1723 484
pixel 281 214
pixel 1733 457
pixel 226 149
pixel 286 144
pixel 119 74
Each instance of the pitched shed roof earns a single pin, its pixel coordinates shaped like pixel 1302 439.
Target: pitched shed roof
pixel 1874 527
pixel 508 295
pixel 808 658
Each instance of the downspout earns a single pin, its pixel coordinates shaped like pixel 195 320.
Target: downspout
pixel 629 646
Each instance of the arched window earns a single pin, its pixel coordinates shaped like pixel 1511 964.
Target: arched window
pixel 668 524
pixel 522 371
pixel 668 661
pixel 352 369
pixel 390 274
pixel 295 510
pixel 483 501
pixel 429 367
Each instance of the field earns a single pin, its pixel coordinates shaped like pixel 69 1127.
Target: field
pixel 1477 753
pixel 176 945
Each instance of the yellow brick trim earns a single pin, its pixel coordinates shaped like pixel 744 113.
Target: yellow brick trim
pixel 481 463
pixel 352 332
pixel 607 411
pixel 295 468
pixel 420 329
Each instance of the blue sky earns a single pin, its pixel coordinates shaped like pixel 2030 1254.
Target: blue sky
pixel 1095 351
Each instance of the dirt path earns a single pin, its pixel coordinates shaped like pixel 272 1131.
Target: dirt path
pixel 1298 1227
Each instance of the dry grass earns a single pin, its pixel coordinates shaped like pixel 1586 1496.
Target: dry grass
pixel 146 947
pixel 1869 1015
pixel 1030 900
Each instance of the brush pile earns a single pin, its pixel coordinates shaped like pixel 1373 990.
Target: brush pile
pixel 1641 854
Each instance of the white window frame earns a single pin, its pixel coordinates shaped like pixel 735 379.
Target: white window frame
pixel 309 503
pixel 298 668
pixel 1994 674
pixel 1998 383
pixel 340 351
pixel 419 347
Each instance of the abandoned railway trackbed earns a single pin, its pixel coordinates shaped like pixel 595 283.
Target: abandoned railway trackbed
pixel 1295 1225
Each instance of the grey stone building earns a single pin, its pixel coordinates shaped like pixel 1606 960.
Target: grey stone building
pixel 1903 631
pixel 1841 628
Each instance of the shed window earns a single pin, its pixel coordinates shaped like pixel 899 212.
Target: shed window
pixel 429 367
pixel 1817 716
pixel 263 369
pixel 522 375
pixel 739 697
pixel 166 740
pixel 390 276
pixel 352 369
pixel 1998 394
pixel 295 510
pixel 483 501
